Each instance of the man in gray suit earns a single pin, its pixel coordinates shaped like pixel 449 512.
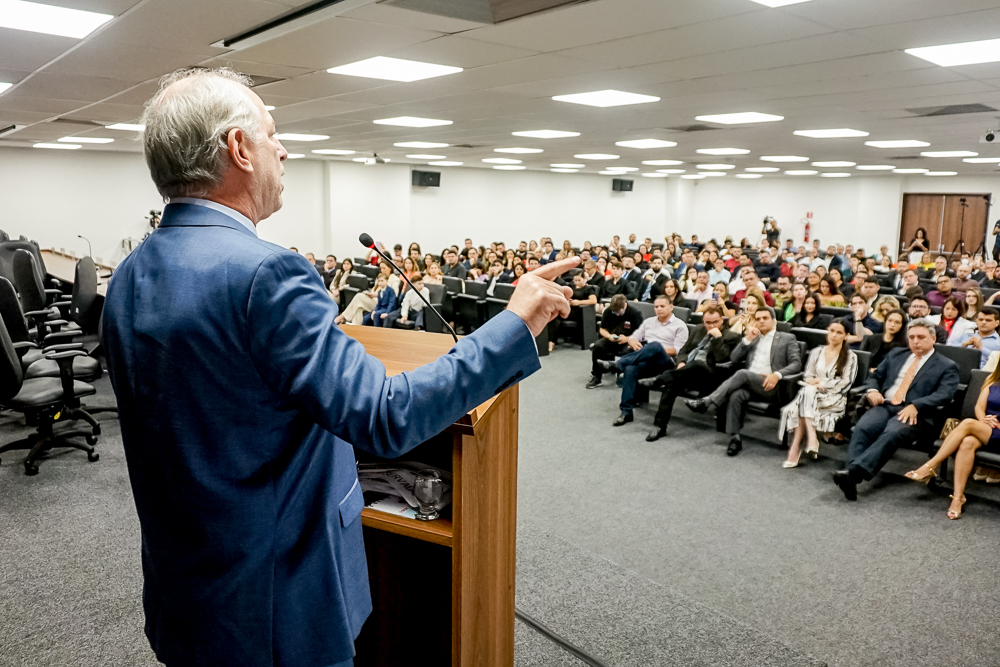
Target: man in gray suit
pixel 767 356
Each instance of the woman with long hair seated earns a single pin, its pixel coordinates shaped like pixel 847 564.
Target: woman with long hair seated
pixel 822 400
pixel 884 305
pixel 339 282
pixel 813 280
pixel 974 303
pixel 433 276
pixel 519 271
pixel 794 306
pixel 951 315
pixel 810 317
pixel 720 295
pixel 893 336
pixel 752 302
pixel 969 436
pixel 829 293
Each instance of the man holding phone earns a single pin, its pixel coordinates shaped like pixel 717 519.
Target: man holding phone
pixel 620 320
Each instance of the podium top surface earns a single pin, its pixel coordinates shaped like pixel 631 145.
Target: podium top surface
pixel 401 350
pixel 63 267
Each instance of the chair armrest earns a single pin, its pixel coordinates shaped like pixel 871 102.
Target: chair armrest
pixel 794 377
pixel 55 337
pixel 21 348
pixel 725 365
pixel 54 292
pixel 66 354
pixel 491 299
pixel 62 347
pixel 37 313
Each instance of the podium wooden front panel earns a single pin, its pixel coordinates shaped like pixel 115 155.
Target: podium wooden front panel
pixel 444 590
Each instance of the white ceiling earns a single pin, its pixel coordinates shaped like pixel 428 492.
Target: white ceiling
pixel 821 64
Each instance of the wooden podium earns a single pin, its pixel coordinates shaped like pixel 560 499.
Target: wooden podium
pixel 443 591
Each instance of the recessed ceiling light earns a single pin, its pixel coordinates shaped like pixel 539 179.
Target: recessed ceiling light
pixel 4 86
pixel 783 158
pixel 126 127
pixel 693 177
pixel 596 156
pixel 606 98
pixel 609 172
pixel 900 143
pixel 716 166
pixel 567 165
pixel 910 171
pixel 518 151
pixel 739 118
pixel 941 173
pixel 662 163
pixel 671 171
pixel 295 156
pixel 646 143
pixel 85 140
pixel 712 173
pixel 64 147
pixel 365 159
pixel 546 134
pixel 623 169
pixel 394 69
pixel 291 136
pixel 424 156
pixel 949 154
pixel 836 163
pixel 965 53
pixel 749 175
pixel 982 160
pixel 830 134
pixel 778 3
pixel 420 144
pixel 653 174
pixel 875 167
pixel 50 20
pixel 800 172
pixel 763 170
pixel 501 160
pixel 333 151
pixel 445 163
pixel 722 151
pixel 509 167
pixel 834 174
pixel 412 121
pixel 560 170
pixel 268 107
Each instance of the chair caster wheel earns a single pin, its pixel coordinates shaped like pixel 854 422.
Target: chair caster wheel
pixel 30 469
pixel 93 456
pixel 91 439
pixel 97 430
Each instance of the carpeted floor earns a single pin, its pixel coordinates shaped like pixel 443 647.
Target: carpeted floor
pixel 643 554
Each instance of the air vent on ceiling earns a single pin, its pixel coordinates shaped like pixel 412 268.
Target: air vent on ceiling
pixel 693 128
pixel 76 121
pixel 904 157
pixel 468 145
pixel 10 129
pixel 481 11
pixel 951 110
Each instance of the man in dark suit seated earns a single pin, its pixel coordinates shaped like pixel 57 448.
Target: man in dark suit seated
pixel 768 355
pixel 921 308
pixel 710 343
pixel 619 322
pixel 616 284
pixel 904 392
pixel 765 268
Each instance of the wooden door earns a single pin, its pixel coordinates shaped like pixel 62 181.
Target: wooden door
pixel 941 217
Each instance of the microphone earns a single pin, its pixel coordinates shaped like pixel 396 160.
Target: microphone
pixel 90 249
pixel 367 242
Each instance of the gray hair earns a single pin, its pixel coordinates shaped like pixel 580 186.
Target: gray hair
pixel 922 322
pixel 186 135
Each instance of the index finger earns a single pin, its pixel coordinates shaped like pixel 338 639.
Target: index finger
pixel 554 269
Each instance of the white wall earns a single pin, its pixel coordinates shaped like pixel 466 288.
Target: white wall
pixel 301 220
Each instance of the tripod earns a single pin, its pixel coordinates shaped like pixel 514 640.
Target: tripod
pixel 960 243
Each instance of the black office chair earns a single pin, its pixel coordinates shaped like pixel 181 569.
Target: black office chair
pixel 811 337
pixel 498 302
pixel 967 359
pixel 645 308
pixel 783 327
pixel 53 404
pixel 988 459
pixel 40 304
pixel 584 329
pixel 470 305
pixel 682 313
pixel 369 271
pixel 788 387
pixel 355 283
pixel 836 312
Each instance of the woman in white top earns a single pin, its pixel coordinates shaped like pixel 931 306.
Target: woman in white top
pixel 339 281
pixel 822 400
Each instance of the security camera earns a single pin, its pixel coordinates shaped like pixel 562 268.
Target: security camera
pixel 374 160
pixel 988 138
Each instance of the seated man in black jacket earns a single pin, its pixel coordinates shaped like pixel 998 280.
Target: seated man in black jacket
pixel 920 308
pixel 710 343
pixel 767 269
pixel 616 284
pixel 620 320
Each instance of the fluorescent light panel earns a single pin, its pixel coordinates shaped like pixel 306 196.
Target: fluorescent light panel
pixel 653 174
pixel 898 143
pixel 662 163
pixel 333 151
pixel 501 160
pixel 425 156
pixel 268 107
pixel 964 53
pixel 646 143
pixel 716 166
pixel 778 3
pixel 910 171
pixel 394 69
pixel 949 154
pixel 763 170
pixel 982 160
pixel 783 158
pixel 800 172
pixel 295 156
pixel 875 167
pixel 712 173
pixel 364 159
pixel 834 174
pixel 560 170
pixel 606 98
pixel 63 147
pixel 596 156
pixel 740 118
pixel 518 151
pixel 291 136
pixel 420 144
pixel 85 140
pixel 412 121
pixel 546 134
pixel 749 176
pixel 126 127
pixel 567 165
pixel 722 151
pixel 830 134
pixel 836 163
pixel 608 172
pixel 670 171
pixel 509 167
pixel 624 170
pixel 446 163
pixel 941 173
pixel 4 86
pixel 49 19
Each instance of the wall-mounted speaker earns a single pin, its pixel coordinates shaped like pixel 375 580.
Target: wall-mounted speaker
pixel 621 185
pixel 427 179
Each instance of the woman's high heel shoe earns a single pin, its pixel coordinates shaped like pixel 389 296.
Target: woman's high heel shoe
pixel 792 464
pixel 813 453
pixel 912 475
pixel 952 514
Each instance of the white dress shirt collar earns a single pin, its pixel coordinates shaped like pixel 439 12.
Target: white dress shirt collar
pixel 215 206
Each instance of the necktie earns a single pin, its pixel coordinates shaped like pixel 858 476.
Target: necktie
pixel 907 380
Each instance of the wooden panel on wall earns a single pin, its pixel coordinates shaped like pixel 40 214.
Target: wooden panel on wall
pixel 974 230
pixel 941 216
pixel 922 211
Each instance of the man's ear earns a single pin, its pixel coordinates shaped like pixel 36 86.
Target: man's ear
pixel 237 143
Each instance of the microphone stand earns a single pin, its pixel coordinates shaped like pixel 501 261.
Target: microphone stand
pixel 90 249
pixel 402 275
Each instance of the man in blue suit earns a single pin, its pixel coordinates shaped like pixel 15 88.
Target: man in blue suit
pixel 240 399
pixel 905 391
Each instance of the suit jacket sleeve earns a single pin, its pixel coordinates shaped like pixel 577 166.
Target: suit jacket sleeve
pixel 313 366
pixel 877 380
pixel 720 348
pixel 793 356
pixel 740 352
pixel 692 342
pixel 944 390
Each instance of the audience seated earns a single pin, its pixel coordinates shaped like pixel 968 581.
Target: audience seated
pixel 962 280
pixel 385 302
pixel 983 337
pixel 411 308
pixel 701 290
pixel 768 355
pixel 903 394
pixel 860 323
pixel 339 282
pixel 920 309
pixel 793 306
pixel 951 319
pixel 710 343
pixel 750 282
pixel 584 295
pixel 822 400
pixel 619 322
pixel 809 316
pixel 654 347
pixel 452 267
pixel 944 289
pixel 893 336
pixel 616 284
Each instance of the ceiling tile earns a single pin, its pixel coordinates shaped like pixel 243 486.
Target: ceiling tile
pixel 108 113
pixel 398 16
pixel 460 52
pixel 932 32
pixel 318 85
pixel 126 62
pixel 848 14
pixel 87 88
pixel 51 106
pixel 313 109
pixel 533 68
pixel 22 50
pixel 259 69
